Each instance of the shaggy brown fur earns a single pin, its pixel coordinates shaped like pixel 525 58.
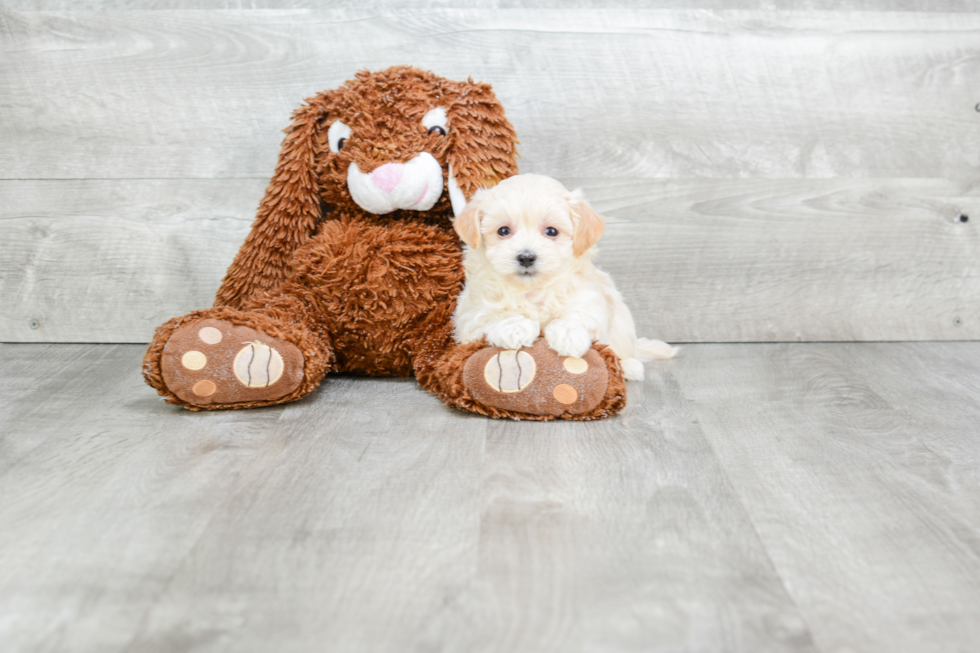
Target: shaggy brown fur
pixel 357 292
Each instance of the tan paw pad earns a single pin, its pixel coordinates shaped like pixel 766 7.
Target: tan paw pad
pixel 510 371
pixel 575 365
pixel 204 388
pixel 258 365
pixel 565 394
pixel 194 360
pixel 210 335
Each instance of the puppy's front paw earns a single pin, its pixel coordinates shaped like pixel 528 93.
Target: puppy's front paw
pixel 568 338
pixel 513 332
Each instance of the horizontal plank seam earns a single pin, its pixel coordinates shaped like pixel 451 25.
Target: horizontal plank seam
pixel 674 342
pixel 253 178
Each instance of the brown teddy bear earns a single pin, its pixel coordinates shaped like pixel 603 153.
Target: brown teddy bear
pixel 353 266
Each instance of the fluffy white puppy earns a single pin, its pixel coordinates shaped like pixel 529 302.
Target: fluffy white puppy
pixel 529 266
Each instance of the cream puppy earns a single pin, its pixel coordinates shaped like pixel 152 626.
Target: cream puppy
pixel 529 266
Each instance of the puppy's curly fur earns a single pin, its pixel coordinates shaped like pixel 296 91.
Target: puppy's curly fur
pixel 529 267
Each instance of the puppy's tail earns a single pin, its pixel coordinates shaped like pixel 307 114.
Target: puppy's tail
pixel 654 350
pixel 646 350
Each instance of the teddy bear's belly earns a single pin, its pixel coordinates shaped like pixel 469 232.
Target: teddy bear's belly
pixel 381 290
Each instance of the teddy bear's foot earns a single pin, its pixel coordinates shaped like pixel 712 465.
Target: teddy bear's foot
pixel 217 362
pixel 536 380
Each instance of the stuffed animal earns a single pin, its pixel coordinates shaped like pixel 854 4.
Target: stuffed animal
pixel 352 265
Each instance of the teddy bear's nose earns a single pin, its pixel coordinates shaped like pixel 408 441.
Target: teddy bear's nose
pixel 387 176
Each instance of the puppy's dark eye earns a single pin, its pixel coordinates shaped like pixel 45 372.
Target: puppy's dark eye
pixel 340 144
pixel 503 231
pixel 551 232
pixel 436 129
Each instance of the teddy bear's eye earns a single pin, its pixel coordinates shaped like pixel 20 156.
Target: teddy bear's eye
pixel 551 232
pixel 337 135
pixel 503 231
pixel 435 121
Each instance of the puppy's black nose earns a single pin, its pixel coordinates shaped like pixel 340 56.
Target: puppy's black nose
pixel 526 258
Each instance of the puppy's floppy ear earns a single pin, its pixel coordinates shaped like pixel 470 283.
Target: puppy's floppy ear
pixel 289 212
pixel 483 143
pixel 589 225
pixel 467 223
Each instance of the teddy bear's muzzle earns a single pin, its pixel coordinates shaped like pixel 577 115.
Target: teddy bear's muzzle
pixel 415 185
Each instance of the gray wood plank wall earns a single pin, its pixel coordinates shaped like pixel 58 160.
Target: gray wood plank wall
pixel 823 5
pixel 767 175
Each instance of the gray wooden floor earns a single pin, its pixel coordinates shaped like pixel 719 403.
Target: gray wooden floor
pixel 777 497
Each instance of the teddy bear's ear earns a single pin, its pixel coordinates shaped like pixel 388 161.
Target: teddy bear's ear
pixel 288 214
pixel 589 225
pixel 483 146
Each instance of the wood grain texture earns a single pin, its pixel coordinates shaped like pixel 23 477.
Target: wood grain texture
pixel 605 538
pixel 871 527
pixel 793 497
pixel 605 93
pixel 102 489
pixel 697 260
pixel 110 260
pixel 965 6
pixel 369 517
pixel 378 538
pixel 795 260
pixel 770 175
